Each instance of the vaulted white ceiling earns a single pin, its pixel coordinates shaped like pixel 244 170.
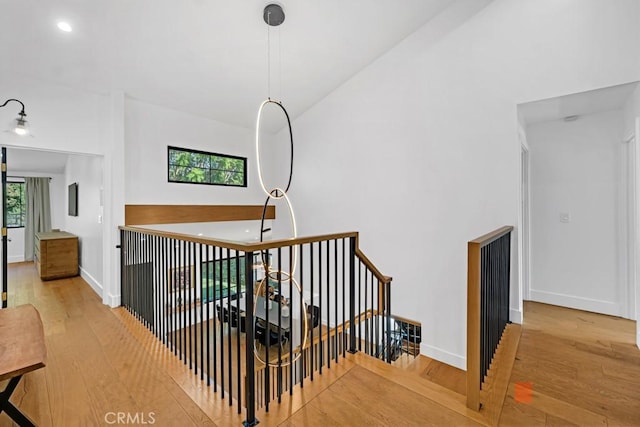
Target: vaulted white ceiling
pixel 206 57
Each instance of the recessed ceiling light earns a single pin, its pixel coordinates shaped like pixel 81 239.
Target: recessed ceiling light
pixel 64 26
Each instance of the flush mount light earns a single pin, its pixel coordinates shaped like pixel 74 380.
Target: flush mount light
pixel 65 26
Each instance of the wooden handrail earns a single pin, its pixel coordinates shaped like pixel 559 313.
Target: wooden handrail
pixel 240 246
pixel 492 236
pixel 367 262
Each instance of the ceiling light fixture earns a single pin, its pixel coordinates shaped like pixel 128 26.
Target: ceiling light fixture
pixel 65 26
pixel 571 118
pixel 273 15
pixel 22 126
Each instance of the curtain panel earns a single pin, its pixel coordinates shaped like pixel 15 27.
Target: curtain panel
pixel 38 212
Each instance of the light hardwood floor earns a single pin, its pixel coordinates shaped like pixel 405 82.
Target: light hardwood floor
pixel 584 369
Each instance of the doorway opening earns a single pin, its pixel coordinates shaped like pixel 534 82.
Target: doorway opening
pixel 582 199
pixel 64 169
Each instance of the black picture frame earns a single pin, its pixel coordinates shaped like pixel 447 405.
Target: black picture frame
pixel 73 199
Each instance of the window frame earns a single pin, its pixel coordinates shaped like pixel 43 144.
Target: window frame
pixel 208 153
pixel 24 204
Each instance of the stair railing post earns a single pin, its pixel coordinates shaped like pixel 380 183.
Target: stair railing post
pixel 352 295
pixel 250 388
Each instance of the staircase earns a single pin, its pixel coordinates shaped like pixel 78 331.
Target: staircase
pixel 363 390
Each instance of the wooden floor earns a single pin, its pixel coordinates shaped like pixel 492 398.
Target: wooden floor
pixel 581 369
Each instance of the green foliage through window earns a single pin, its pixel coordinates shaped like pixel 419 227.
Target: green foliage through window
pixel 15 204
pixel 221 277
pixel 199 167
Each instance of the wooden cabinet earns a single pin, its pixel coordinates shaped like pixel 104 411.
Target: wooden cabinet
pixel 56 254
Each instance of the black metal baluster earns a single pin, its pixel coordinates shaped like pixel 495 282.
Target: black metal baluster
pixel 154 286
pixel 367 350
pixel 335 296
pixel 328 299
pixel 267 371
pixel 250 337
pixel 134 281
pixel 210 303
pixel 311 276
pixel 200 283
pixel 290 305
pixel 352 294
pixel 279 371
pixel 360 303
pixel 229 332
pixel 214 279
pixel 344 285
pixel 165 291
pixel 182 285
pixel 240 326
pixel 320 340
pixel 302 313
pixel 123 275
pixel 380 326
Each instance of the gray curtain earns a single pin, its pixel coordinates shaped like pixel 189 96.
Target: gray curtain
pixel 38 212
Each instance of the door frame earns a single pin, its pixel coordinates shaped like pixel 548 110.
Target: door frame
pixel 5 255
pixel 524 217
pixel 631 205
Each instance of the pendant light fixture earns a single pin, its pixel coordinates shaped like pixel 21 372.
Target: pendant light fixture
pixel 274 16
pixel 22 126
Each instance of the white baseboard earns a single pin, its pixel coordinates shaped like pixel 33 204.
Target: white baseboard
pixel 112 300
pixel 15 258
pixel 95 285
pixel 515 316
pixel 579 303
pixel 444 356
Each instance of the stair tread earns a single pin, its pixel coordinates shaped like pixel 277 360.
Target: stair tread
pixel 430 390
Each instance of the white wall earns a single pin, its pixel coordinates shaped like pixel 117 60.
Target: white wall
pixel 56 193
pixel 87 172
pixel 420 152
pixel 574 171
pixel 149 129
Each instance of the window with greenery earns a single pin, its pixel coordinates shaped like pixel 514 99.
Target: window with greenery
pixel 200 167
pixel 15 204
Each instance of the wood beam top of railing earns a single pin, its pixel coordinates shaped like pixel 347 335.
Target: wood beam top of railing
pixel 241 246
pixel 366 261
pixel 492 236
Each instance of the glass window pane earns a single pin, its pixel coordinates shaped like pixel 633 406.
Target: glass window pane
pixel 205 168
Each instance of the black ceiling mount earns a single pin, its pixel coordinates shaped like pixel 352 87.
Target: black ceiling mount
pixel 273 14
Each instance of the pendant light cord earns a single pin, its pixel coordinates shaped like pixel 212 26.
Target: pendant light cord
pixel 269 55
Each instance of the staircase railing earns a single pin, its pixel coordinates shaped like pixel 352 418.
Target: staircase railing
pixel 488 276
pixel 255 319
